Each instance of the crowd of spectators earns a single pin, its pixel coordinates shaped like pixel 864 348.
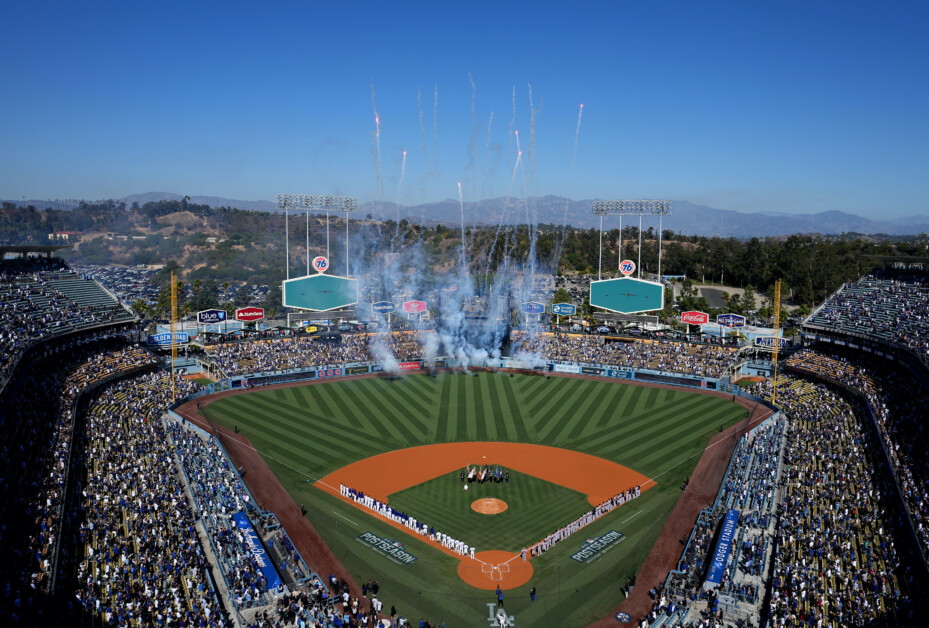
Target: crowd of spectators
pixel 749 486
pixel 837 560
pixel 890 306
pixel 657 355
pixel 142 561
pixel 218 494
pixel 306 351
pixel 38 424
pixel 899 403
pixel 33 309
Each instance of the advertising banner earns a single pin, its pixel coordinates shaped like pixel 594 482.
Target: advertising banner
pixel 356 370
pixel 566 368
pixel 258 551
pixel 383 307
pixel 564 309
pixel 165 339
pixel 410 366
pixel 695 318
pixel 249 314
pixel 721 554
pixel 207 317
pixel 592 370
pixel 533 308
pixel 329 373
pixel 619 374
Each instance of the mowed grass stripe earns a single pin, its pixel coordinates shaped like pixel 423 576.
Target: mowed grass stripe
pixel 280 437
pixel 652 398
pixel 625 424
pixel 538 399
pixel 443 425
pixel 475 386
pixel 414 400
pixel 648 426
pixel 583 421
pixel 679 445
pixel 380 424
pixel 384 415
pixel 321 402
pixel 310 426
pixel 564 405
pixel 336 403
pixel 610 411
pixel 515 414
pixel 667 429
pixel 529 384
pixel 575 417
pixel 393 398
pixel 506 428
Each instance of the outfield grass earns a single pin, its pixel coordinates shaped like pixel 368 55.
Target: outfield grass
pixel 308 431
pixel 532 505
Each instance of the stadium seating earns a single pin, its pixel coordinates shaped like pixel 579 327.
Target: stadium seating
pixel 676 357
pixel 239 358
pixel 889 306
pixel 898 402
pixel 41 297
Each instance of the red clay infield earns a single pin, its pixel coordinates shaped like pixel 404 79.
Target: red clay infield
pixel 493 568
pixel 382 475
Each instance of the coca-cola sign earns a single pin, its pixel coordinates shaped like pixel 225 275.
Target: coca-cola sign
pixel 695 318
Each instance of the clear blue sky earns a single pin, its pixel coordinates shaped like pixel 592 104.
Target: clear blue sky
pixel 791 107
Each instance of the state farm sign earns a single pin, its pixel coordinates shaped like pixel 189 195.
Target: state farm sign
pixel 249 314
pixel 695 318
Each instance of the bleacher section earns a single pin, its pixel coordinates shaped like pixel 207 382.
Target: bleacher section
pixel 42 298
pixel 890 307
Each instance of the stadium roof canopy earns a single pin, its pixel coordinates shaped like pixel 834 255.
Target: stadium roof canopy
pixel 25 249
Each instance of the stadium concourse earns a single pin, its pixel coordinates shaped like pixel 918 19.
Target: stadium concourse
pixel 116 512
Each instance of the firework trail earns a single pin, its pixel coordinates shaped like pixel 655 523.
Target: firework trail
pixel 422 124
pixel 513 119
pixel 506 204
pixel 473 144
pixel 435 129
pixel 564 218
pixel 533 112
pixel 377 145
pixel 490 124
pixel 461 261
pixel 399 198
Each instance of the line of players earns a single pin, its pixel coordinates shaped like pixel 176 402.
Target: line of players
pixel 446 541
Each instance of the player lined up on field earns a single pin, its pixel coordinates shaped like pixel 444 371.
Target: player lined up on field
pixel 446 541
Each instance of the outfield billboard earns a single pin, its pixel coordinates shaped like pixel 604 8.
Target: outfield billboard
pixel 208 317
pixel 249 314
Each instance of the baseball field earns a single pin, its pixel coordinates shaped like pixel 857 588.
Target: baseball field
pixel 567 444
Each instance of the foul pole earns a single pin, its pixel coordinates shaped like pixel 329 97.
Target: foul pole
pixel 173 338
pixel 777 340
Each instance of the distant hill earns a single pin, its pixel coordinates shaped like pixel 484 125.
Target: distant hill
pixel 687 218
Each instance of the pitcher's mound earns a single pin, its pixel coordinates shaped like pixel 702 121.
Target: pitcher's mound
pixel 488 506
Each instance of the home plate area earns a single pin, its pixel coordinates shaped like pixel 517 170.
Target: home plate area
pixel 495 567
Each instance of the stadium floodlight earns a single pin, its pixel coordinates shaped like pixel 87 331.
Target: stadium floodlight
pixel 307 203
pixel 632 208
pixel 638 208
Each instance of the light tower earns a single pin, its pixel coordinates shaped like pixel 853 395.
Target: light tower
pixel 306 203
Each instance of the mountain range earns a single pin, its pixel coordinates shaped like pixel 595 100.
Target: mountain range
pixel 686 217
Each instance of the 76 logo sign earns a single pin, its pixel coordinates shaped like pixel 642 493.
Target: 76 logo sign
pixel 320 264
pixel 627 267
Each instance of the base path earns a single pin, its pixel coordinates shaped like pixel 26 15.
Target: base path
pixel 382 475
pixel 495 568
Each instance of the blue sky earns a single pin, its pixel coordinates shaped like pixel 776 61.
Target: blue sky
pixel 781 107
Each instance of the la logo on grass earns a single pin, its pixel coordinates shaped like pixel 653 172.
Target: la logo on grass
pixel 499 618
